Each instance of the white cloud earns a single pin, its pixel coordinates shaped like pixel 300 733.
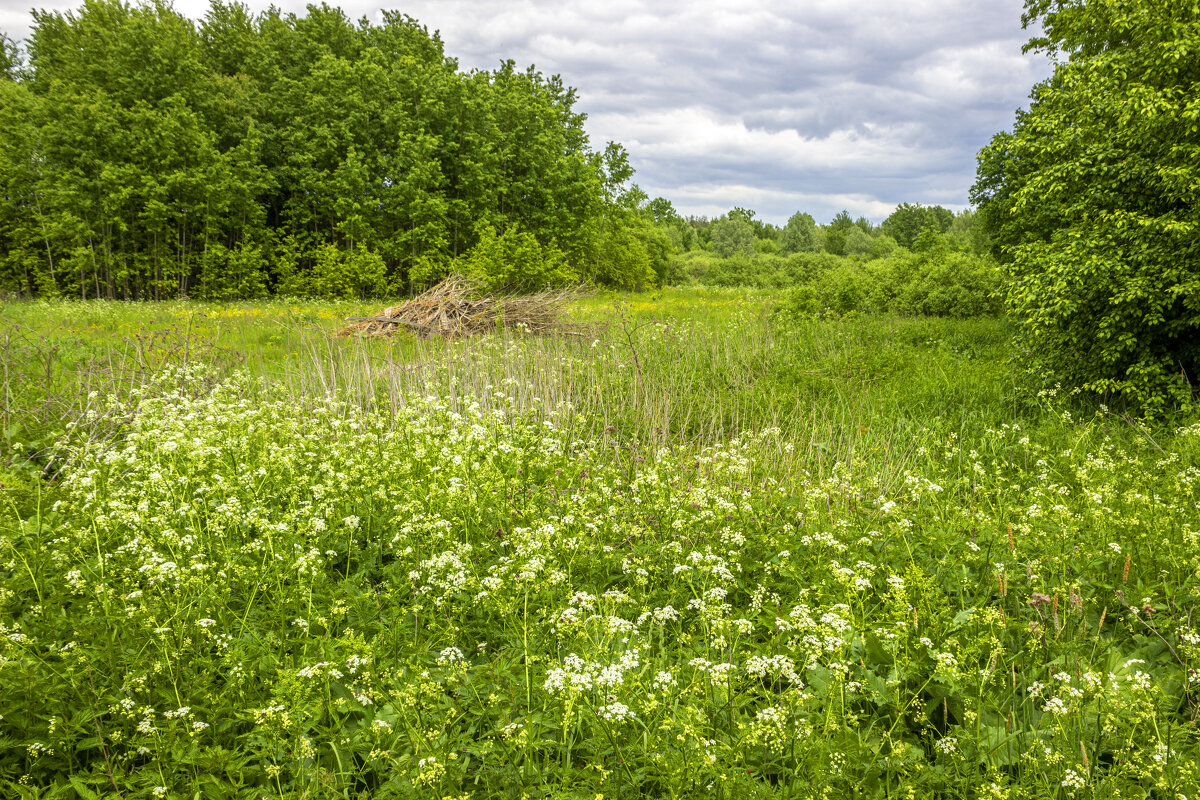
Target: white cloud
pixel 715 199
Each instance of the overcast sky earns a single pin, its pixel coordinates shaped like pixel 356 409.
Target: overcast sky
pixel 807 105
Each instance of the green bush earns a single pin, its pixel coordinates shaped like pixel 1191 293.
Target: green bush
pixel 937 282
pixel 708 269
pixel 634 254
pixel 227 274
pixel 761 271
pixel 847 288
pixel 515 260
pixel 949 285
pixel 1091 201
pixel 329 272
pixel 858 243
pixel 344 275
pixel 732 237
pixel 883 246
pixel 801 302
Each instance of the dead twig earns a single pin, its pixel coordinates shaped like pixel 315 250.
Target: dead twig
pixel 459 307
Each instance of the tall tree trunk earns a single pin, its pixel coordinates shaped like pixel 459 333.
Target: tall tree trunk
pixel 45 238
pixel 95 268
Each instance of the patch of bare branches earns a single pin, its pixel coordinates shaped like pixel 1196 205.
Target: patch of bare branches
pixel 459 307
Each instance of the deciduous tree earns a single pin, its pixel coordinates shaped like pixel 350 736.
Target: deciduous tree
pixel 1091 199
pixel 800 235
pixel 909 219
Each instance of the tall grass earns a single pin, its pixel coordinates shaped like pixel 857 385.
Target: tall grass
pixel 703 552
pixel 680 369
pixel 854 391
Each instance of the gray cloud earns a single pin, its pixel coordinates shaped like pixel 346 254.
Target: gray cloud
pixel 777 106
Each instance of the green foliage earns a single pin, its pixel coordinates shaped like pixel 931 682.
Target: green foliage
pixel 836 232
pixel 327 271
pixel 436 589
pixel 231 274
pixel 847 289
pixel 767 246
pixel 347 274
pixel 1090 201
pixel 930 242
pixel 762 271
pixel 936 281
pixel 883 246
pixel 661 210
pixel 139 149
pixel 659 248
pixel 857 243
pixel 800 235
pixel 802 302
pixel 678 235
pixel 516 261
pixel 909 219
pixel 967 233
pixel 944 284
pixel 10 58
pixel 732 236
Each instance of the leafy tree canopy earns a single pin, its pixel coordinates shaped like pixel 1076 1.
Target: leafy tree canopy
pixel 10 59
pixel 909 219
pixel 1091 199
pixel 835 232
pixel 800 235
pixel 661 210
pixel 734 234
pixel 842 221
pixel 146 156
pixel 857 242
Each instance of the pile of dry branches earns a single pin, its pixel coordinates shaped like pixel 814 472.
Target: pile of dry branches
pixel 457 307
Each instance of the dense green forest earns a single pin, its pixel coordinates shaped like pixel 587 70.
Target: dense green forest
pixel 145 156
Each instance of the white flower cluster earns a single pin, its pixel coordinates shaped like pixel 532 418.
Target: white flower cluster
pixel 947 745
pixel 664 681
pixel 579 675
pixel 451 655
pixel 776 666
pixel 319 669
pixel 615 712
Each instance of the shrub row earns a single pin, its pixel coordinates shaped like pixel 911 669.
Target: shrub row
pixel 939 283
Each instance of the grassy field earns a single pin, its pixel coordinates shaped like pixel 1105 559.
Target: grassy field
pixel 699 551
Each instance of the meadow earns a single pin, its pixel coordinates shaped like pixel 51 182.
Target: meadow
pixel 702 549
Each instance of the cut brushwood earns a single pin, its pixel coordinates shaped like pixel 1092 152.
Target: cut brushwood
pixel 458 307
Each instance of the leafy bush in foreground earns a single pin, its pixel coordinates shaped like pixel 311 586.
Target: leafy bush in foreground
pixel 258 598
pixel 1091 201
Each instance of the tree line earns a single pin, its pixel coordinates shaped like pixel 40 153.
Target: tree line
pixel 740 232
pixel 147 156
pixel 921 260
